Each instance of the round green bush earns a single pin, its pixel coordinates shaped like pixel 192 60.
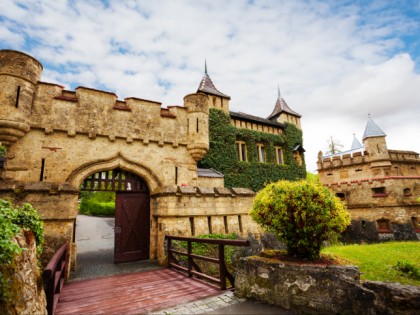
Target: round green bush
pixel 303 214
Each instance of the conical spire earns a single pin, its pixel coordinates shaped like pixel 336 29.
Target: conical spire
pixel 372 130
pixel 207 86
pixel 281 106
pixel 356 143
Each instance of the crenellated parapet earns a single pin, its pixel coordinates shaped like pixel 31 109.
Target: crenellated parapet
pixel 26 102
pixel 99 113
pixel 339 160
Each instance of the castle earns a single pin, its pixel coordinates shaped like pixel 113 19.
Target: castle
pixel 379 186
pixel 61 142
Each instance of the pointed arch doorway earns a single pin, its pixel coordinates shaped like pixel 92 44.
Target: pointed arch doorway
pixel 132 212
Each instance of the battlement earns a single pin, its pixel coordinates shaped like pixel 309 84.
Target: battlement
pixel 370 181
pixel 396 155
pixel 100 113
pixel 339 160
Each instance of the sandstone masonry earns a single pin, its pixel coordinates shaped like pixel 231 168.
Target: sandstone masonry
pixel 380 187
pixel 57 138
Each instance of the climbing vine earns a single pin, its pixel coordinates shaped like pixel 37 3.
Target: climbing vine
pixel 12 221
pixel 222 155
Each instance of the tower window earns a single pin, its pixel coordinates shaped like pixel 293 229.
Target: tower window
pixel 407 192
pixel 17 97
pixel 342 196
pixel 379 192
pixel 383 226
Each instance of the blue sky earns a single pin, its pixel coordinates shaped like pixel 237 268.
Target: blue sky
pixel 335 61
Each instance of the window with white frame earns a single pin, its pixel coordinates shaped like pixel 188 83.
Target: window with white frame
pixel 261 152
pixel 241 150
pixel 279 155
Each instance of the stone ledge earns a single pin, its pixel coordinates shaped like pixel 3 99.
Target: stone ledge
pixel 313 289
pixel 203 191
pixel 42 187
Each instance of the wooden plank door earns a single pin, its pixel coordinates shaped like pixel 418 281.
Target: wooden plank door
pixel 132 226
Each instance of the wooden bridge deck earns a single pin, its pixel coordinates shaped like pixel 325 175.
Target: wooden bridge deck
pixel 136 293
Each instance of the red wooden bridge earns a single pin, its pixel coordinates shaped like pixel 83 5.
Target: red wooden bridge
pixel 140 292
pixel 135 293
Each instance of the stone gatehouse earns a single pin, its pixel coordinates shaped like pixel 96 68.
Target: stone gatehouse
pixel 60 142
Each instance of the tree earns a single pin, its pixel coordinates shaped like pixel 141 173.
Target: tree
pixel 334 146
pixel 304 214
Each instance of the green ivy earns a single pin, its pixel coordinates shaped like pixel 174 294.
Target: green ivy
pixel 12 221
pixel 252 174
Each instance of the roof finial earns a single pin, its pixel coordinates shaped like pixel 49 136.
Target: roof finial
pixel 205 66
pixel 279 94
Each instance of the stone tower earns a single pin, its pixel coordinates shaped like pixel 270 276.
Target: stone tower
pixel 217 99
pixel 19 74
pixel 283 114
pixel 376 148
pixel 198 126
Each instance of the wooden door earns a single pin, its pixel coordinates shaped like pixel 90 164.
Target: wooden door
pixel 132 226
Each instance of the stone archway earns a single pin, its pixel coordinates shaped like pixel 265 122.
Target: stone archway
pixel 119 161
pixel 132 211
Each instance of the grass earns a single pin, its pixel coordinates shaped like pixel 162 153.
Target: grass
pixel 378 262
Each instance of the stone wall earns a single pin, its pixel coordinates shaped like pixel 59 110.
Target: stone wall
pixel 191 211
pixel 26 293
pixel 311 289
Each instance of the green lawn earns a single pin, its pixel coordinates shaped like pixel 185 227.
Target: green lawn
pixel 377 261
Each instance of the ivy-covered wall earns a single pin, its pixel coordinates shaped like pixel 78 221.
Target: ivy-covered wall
pixel 253 174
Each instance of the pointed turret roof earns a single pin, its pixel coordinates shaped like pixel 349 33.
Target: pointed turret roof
pixel 372 130
pixel 356 143
pixel 207 85
pixel 281 106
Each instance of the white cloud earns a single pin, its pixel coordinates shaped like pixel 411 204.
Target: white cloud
pixel 335 62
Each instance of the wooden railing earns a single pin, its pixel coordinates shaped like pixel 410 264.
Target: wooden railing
pixel 54 275
pixel 193 269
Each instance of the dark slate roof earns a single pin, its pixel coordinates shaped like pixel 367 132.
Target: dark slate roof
pixel 299 148
pixel 281 106
pixel 356 144
pixel 372 130
pixel 255 119
pixel 207 85
pixel 209 172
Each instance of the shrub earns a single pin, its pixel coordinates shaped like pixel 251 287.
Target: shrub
pixel 409 269
pixel 303 214
pixel 12 220
pixel 3 151
pixel 93 207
